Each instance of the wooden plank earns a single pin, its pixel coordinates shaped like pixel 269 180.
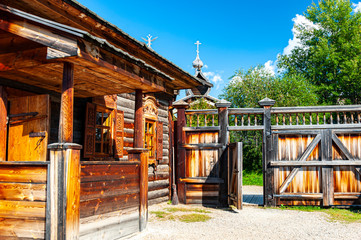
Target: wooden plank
pixel 106 205
pixel 113 227
pixel 207 180
pixel 201 129
pixel 40 35
pixel 327 172
pixel 3 123
pixel 22 191
pixel 21 228
pixel 318 196
pixel 22 209
pixel 23 174
pixel 314 163
pixel 91 173
pixel 23 59
pixel 344 150
pixel 303 158
pixel 205 146
pixel 316 127
pixel 95 190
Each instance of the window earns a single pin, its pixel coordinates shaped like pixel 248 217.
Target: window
pixel 150 138
pixel 153 130
pixel 103 131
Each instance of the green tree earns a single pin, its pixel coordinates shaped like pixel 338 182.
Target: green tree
pixel 248 87
pixel 329 54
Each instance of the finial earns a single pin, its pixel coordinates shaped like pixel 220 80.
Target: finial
pixel 197 63
pixel 149 40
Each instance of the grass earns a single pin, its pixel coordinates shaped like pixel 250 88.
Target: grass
pixel 334 214
pixel 252 178
pixel 160 214
pixel 194 217
pixel 198 210
pixel 187 215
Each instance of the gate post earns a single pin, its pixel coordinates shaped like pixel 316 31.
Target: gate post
pixel 181 106
pixel 268 173
pixel 223 135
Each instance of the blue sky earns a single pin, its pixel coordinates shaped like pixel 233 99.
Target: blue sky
pixel 234 34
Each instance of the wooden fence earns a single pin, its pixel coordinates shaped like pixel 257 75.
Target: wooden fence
pixel 311 155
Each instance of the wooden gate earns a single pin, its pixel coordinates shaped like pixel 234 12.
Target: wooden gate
pixel 318 168
pixel 235 159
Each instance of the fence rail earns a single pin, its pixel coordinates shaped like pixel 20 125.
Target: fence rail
pixel 282 118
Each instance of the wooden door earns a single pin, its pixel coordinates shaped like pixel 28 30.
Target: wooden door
pixel 235 159
pixel 28 128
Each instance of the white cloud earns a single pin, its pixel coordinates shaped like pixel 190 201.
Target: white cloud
pixel 356 7
pixel 270 67
pixel 304 23
pixel 215 78
pixel 205 66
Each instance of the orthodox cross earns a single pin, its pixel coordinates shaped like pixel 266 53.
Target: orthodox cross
pixel 198 43
pixel 149 40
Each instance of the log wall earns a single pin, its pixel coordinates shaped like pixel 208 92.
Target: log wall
pixel 109 199
pixel 159 177
pixel 23 200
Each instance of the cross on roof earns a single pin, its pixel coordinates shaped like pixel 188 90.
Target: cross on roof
pixel 198 43
pixel 149 40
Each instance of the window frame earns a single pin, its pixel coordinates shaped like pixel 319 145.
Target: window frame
pixel 102 109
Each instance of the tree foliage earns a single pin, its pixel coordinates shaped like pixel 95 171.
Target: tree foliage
pixel 329 54
pixel 247 88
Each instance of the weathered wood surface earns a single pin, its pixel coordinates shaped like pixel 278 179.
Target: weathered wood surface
pixel 22 201
pixel 3 123
pixel 21 146
pixel 67 104
pixel 202 194
pixel 202 162
pixel 108 188
pixel 112 226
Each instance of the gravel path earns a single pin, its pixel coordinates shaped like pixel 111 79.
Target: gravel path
pixel 250 223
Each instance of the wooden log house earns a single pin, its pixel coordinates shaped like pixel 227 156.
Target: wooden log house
pixel 85 123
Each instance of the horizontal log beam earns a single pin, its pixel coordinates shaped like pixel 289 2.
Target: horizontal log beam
pixel 245 128
pixel 315 127
pixel 201 129
pixel 40 35
pixel 314 196
pixel 315 163
pixel 209 146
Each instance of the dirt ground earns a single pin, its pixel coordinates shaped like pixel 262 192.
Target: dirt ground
pixel 252 222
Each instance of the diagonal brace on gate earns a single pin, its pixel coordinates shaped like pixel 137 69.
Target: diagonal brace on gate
pixel 344 150
pixel 303 158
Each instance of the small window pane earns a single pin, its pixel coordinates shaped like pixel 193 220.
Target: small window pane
pixel 98 134
pixel 106 135
pixel 99 118
pixel 98 147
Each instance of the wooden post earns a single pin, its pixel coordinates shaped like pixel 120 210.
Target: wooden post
pixel 138 120
pixel 63 194
pixel 223 138
pixel 3 123
pixel 180 162
pixel 327 171
pixel 141 154
pixel 67 104
pixel 268 172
